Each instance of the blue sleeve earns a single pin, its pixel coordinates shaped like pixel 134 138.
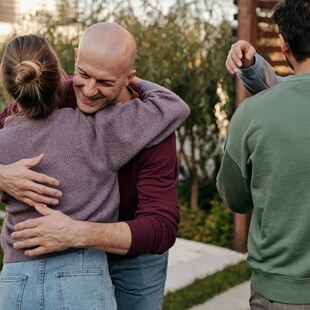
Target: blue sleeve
pixel 259 77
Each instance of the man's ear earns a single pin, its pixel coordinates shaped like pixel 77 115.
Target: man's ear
pixel 285 47
pixel 130 76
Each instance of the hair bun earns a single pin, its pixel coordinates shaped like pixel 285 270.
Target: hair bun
pixel 28 71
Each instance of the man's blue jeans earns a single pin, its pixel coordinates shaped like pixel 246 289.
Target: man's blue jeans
pixel 73 281
pixel 258 302
pixel 140 281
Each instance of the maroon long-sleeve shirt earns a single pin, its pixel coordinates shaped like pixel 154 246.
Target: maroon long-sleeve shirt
pixel 148 196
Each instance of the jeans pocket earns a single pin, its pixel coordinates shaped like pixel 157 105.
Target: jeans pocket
pixel 11 291
pixel 85 289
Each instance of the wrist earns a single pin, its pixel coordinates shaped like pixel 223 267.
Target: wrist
pixel 246 64
pixel 75 234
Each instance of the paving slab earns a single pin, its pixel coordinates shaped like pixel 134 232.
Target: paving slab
pixel 190 260
pixel 236 298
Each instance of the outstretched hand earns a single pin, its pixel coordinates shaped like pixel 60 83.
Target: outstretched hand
pixel 22 183
pixel 49 233
pixel 240 55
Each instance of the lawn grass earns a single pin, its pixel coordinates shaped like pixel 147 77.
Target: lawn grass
pixel 203 289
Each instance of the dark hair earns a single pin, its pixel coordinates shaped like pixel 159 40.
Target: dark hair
pixel 293 20
pixel 32 75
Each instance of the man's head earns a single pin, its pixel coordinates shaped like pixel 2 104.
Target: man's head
pixel 293 20
pixel 103 66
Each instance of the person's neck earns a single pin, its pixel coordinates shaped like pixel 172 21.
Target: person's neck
pixel 302 67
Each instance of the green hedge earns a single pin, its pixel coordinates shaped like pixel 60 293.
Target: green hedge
pixel 213 226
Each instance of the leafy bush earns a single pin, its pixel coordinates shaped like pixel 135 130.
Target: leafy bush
pixel 213 226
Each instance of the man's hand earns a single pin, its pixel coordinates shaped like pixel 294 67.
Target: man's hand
pixel 26 185
pixel 52 232
pixel 241 55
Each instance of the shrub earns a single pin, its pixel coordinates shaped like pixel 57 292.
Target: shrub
pixel 213 226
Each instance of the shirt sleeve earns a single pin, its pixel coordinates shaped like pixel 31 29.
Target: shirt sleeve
pixel 124 129
pixel 155 226
pixel 233 188
pixel 259 77
pixel 234 177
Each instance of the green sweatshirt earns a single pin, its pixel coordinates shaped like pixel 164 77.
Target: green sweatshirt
pixel 266 169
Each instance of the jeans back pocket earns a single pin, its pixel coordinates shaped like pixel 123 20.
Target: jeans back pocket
pixel 11 291
pixel 85 289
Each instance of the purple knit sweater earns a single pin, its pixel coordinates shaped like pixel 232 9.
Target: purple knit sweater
pixel 85 152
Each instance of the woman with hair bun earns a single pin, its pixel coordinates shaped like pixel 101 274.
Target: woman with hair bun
pixel 84 152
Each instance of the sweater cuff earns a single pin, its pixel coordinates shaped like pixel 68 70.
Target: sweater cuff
pixel 138 235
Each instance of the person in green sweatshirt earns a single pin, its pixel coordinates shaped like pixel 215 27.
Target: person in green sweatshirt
pixel 266 169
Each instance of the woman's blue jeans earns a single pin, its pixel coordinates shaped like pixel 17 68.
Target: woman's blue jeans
pixel 72 281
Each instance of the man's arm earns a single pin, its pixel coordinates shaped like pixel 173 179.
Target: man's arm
pixel 55 231
pixel 153 229
pixel 155 225
pixel 255 72
pixel 234 178
pixel 233 187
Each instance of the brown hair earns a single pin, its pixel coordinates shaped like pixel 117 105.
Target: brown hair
pixel 32 75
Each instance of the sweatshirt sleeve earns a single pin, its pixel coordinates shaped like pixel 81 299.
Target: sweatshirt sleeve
pixel 234 177
pixel 155 226
pixel 259 77
pixel 126 128
pixel 233 187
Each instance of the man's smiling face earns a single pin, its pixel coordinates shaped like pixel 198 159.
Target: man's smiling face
pixel 97 83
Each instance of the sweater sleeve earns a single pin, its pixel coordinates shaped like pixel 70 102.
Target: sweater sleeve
pixel 234 177
pixel 233 188
pixel 155 226
pixel 124 129
pixel 259 77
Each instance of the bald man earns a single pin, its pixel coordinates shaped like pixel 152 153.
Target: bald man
pixel 149 213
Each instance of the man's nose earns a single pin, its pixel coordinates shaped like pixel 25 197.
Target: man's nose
pixel 90 88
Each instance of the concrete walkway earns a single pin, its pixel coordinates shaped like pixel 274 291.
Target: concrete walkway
pixel 190 260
